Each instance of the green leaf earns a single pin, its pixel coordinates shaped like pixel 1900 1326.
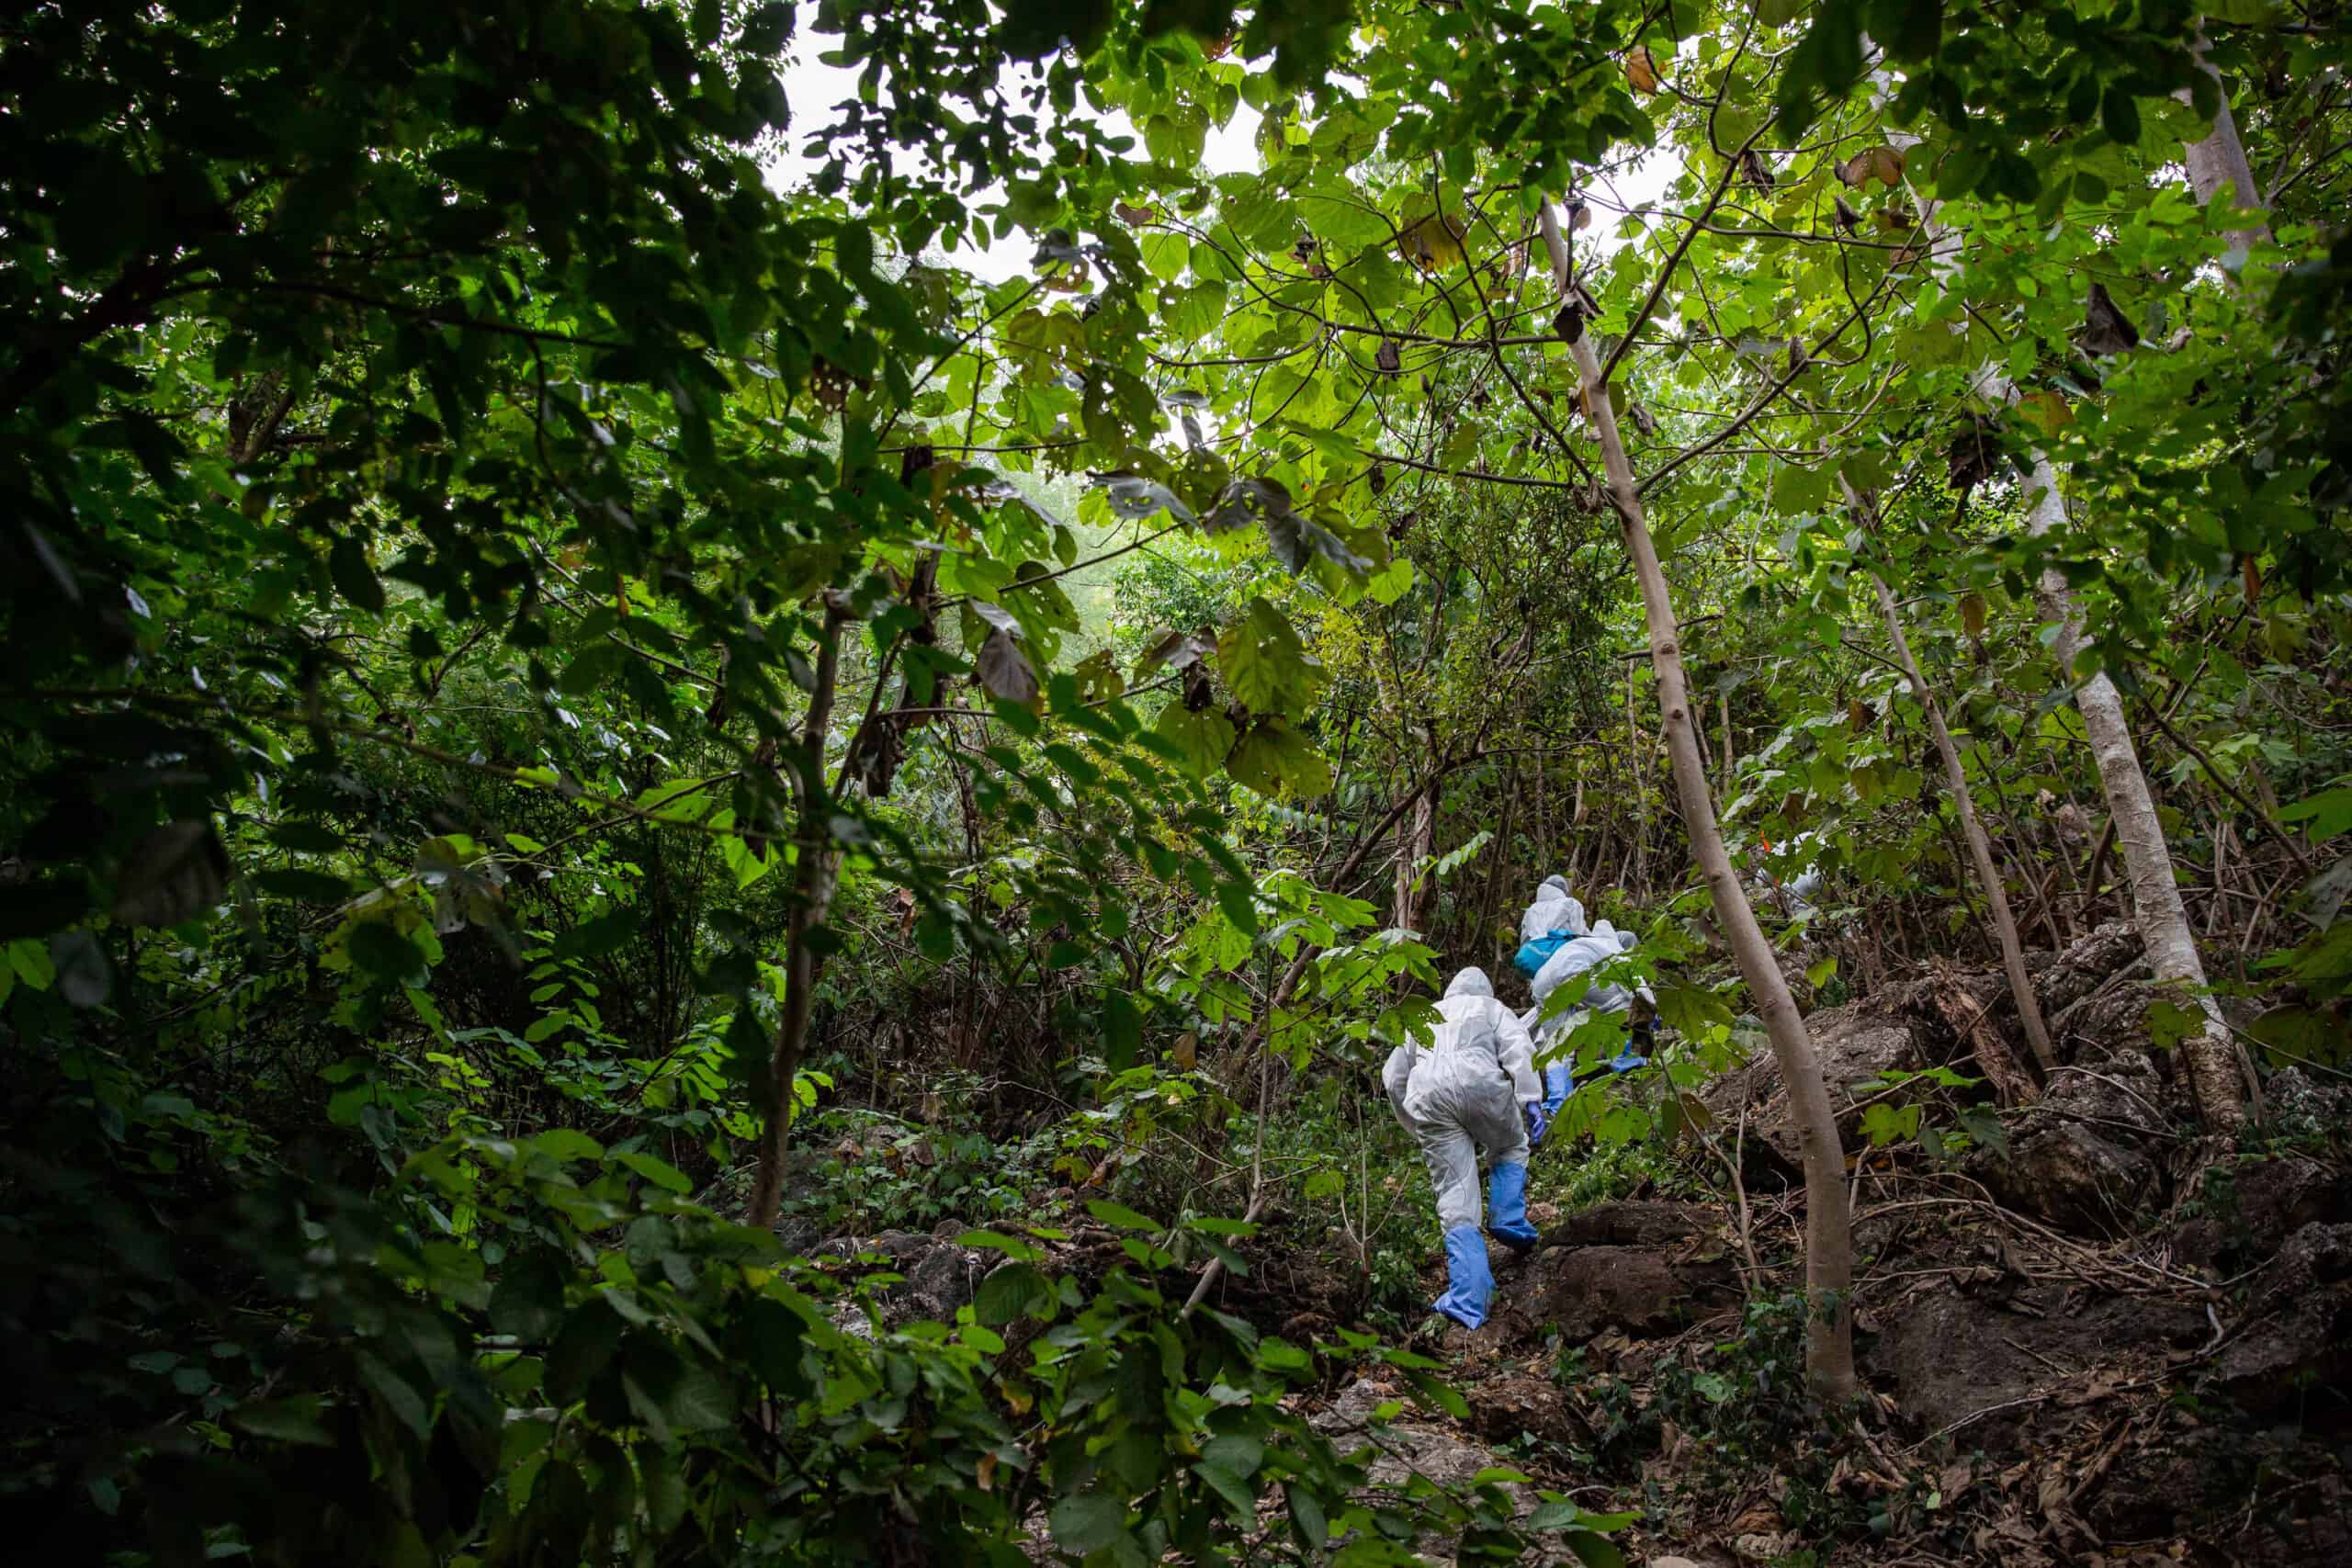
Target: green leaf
pixel 2169 1022
pixel 302 884
pixel 1238 1495
pixel 997 1241
pixel 2329 813
pixel 1307 1517
pixel 1088 1521
pixel 2118 112
pixel 1596 1550
pixel 353 578
pixel 563 1142
pixel 1013 1289
pixel 1265 664
pixel 582 1348
pixel 1238 902
pixel 1118 1216
pixel 661 1173
pixel 599 935
pixel 528 1300
pixel 299 1419
pixel 1122 1028
pixel 30 960
pixel 1201 739
pixel 1273 755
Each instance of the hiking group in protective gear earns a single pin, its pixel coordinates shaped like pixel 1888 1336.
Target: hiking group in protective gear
pixel 1474 1088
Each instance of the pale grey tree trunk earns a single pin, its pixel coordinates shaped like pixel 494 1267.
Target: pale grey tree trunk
pixel 2218 160
pixel 2208 1052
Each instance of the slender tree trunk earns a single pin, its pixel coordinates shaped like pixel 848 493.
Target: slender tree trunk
pixel 1414 893
pixel 1731 759
pixel 815 873
pixel 1500 863
pixel 1980 848
pixel 1829 1254
pixel 2211 1057
pixel 2219 159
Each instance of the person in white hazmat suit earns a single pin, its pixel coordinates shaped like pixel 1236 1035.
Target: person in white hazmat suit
pixel 1794 895
pixel 1573 957
pixel 1473 1087
pixel 1556 918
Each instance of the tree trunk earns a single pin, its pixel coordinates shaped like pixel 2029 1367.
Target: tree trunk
pixel 1413 884
pixel 2219 159
pixel 1829 1251
pixel 1980 848
pixel 815 873
pixel 2211 1057
pixel 1731 759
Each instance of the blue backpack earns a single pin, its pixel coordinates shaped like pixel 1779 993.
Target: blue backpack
pixel 1531 956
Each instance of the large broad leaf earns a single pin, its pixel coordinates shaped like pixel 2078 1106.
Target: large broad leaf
pixel 1013 1289
pixel 1203 738
pixel 1265 664
pixel 1004 670
pixel 1176 649
pixel 1088 1522
pixel 1134 497
pixel 1273 755
pixel 1298 542
pixel 177 871
pixel 595 937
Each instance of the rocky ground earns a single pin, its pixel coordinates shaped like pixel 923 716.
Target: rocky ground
pixel 2088 1336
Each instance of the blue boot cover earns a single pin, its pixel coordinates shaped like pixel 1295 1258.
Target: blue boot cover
pixel 1558 1083
pixel 1506 1208
pixel 1470 1282
pixel 1626 1061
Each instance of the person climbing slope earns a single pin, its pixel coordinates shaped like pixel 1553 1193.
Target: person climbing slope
pixel 1472 1088
pixel 1556 918
pixel 1553 918
pixel 1603 943
pixel 1793 894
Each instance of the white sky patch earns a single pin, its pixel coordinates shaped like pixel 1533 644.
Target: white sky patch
pixel 814 88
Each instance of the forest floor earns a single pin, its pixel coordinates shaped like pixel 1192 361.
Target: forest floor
pixel 2094 1337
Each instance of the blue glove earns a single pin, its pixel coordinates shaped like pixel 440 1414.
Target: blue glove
pixel 1539 1122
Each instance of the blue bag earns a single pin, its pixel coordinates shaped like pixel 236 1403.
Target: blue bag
pixel 1533 956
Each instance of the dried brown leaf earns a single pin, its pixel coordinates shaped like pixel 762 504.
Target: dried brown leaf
pixel 1641 69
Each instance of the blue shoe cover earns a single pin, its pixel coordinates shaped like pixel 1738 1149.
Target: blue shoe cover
pixel 1626 1061
pixel 1559 1082
pixel 1470 1282
pixel 1506 1208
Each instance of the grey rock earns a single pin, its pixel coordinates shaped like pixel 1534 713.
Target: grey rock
pixel 2298 1338
pixel 2243 1214
pixel 2075 1178
pixel 1583 1291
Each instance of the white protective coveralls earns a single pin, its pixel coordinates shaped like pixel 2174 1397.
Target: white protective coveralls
pixel 1466 1092
pixel 1555 909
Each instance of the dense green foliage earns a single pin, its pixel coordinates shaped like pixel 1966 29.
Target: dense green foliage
pixel 541 664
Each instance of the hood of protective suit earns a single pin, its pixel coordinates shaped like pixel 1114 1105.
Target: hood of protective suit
pixel 1625 940
pixel 1471 982
pixel 1552 883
